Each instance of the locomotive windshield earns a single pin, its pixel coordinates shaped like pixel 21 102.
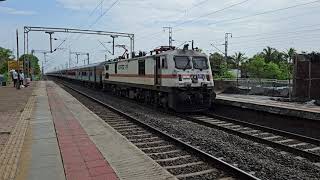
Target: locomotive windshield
pixel 200 63
pixel 182 62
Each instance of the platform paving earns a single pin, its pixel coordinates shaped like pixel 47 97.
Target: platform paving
pixel 265 103
pixel 16 107
pixel 128 162
pixel 58 138
pixel 12 104
pixel 44 155
pixel 81 158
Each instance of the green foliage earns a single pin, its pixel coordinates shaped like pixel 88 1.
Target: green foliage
pixel 259 68
pixel 5 55
pixel 4 67
pixel 34 62
pixel 256 67
pixel 238 59
pixel 271 71
pixel 269 64
pixel 224 72
pixel 216 59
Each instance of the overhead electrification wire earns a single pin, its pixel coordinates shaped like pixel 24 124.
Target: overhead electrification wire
pixel 273 43
pixel 211 13
pixel 173 16
pixel 266 12
pixel 204 15
pixel 104 13
pixel 97 19
pixel 91 13
pixel 278 20
pixel 278 32
pixel 217 48
pixel 94 10
pixel 275 37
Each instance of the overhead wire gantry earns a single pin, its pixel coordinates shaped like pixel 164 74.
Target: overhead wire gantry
pixel 52 30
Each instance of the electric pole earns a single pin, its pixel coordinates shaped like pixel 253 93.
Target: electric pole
pixel 69 57
pixel 170 35
pixel 113 45
pixel 18 86
pixel 88 58
pixel 226 44
pixel 77 54
pixel 17 33
pixel 50 36
pixel 43 62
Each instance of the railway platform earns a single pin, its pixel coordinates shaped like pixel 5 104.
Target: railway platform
pixel 266 104
pixel 47 134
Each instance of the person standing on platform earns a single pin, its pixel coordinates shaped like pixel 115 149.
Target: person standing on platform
pixel 14 78
pixel 21 78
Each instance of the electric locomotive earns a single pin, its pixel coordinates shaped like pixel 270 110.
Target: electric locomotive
pixel 177 79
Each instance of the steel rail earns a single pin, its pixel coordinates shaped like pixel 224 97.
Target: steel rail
pixel 309 155
pixel 205 156
pixel 267 129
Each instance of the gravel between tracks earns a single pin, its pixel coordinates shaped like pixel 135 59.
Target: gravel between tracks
pixel 249 156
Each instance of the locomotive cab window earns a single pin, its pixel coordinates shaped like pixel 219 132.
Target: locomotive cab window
pixel 164 64
pixel 182 62
pixel 141 67
pixel 200 63
pixel 107 67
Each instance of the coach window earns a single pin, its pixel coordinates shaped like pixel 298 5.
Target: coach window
pixel 107 67
pixel 142 68
pixel 115 68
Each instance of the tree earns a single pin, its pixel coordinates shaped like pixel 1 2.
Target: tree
pixel 34 62
pixel 271 71
pixel 238 59
pixel 224 72
pixel 5 54
pixel 269 54
pixel 290 54
pixel 216 59
pixel 256 67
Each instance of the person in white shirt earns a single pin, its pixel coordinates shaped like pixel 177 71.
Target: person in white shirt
pixel 21 77
pixel 15 78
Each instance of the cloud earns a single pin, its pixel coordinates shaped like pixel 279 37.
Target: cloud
pixel 12 11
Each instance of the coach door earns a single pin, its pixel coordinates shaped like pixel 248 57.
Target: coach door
pixel 95 74
pixel 157 74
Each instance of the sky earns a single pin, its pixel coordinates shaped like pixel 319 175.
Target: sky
pixel 254 24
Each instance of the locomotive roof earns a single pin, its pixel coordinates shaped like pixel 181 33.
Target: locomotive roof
pixel 87 66
pixel 183 52
pixel 178 52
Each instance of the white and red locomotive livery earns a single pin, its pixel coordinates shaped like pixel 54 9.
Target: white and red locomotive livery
pixel 179 79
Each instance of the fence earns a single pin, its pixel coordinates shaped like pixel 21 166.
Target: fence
pixel 267 87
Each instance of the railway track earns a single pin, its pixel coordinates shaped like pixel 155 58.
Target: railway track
pixel 178 157
pixel 301 146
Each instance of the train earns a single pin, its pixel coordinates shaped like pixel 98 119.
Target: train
pixel 176 79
